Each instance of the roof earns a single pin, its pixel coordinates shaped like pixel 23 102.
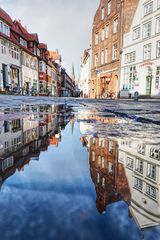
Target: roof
pixel 42 46
pixel 4 16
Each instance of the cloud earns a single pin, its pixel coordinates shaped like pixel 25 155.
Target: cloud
pixel 66 25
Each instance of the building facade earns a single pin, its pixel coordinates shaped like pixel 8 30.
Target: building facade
pixel 142 169
pixel 27 67
pixel 110 19
pixel 141 52
pixel 10 55
pixel 67 84
pixel 84 82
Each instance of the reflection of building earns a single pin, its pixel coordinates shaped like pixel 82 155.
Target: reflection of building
pixel 107 175
pixel 129 171
pixel 142 167
pixel 22 140
pixel 141 52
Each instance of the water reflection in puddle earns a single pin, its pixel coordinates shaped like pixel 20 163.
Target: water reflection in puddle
pixel 69 175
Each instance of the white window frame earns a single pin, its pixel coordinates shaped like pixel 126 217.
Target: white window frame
pixel 158 25
pixel 136 33
pixel 109 7
pixel 115 25
pixel 102 13
pixel 147 30
pixel 148 8
pixel 147 52
pixel 107 31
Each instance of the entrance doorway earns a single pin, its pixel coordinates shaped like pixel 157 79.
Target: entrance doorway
pixel 4 75
pixel 148 85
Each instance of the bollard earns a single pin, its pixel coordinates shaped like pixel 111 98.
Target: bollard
pixel 136 96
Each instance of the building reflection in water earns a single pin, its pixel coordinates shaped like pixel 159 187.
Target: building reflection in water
pixel 126 170
pixel 23 139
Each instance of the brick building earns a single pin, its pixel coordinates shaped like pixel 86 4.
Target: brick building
pixel 112 18
pixel 107 174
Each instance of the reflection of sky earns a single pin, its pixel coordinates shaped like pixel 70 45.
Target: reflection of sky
pixel 54 198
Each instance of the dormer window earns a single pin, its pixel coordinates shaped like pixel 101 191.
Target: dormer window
pixel 4 28
pixel 23 42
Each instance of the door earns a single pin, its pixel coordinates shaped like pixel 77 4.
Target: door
pixel 148 85
pixel 4 75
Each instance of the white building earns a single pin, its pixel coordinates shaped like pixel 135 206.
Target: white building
pixel 142 169
pixel 29 71
pixel 141 52
pixel 85 73
pixel 10 62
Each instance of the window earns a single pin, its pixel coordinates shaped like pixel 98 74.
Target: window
pixel 155 153
pixel 158 25
pixel 102 16
pixel 157 84
pixel 114 52
pixel 4 28
pixel 109 7
pixel 103 162
pixel 147 52
pixel 23 42
pixel 102 57
pixel 130 74
pixel 151 191
pixel 141 149
pixel 99 160
pixel 103 34
pixel 148 8
pixel 158 49
pixel 111 147
pixel 130 57
pixel 6 126
pixel 103 182
pixel 101 143
pixel 98 178
pixel 110 168
pixel 96 60
pixel 106 56
pixel 7 163
pixel 139 166
pixel 130 162
pixel 158 4
pixel 107 31
pixel 93 156
pixel 138 183
pixel 96 38
pixel 136 33
pixel 3 46
pixel 115 26
pixel 147 29
pixel 151 171
pixel 14 51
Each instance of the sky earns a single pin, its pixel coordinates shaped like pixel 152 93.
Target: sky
pixel 62 24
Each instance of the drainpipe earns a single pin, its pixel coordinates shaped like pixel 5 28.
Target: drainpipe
pixel 121 43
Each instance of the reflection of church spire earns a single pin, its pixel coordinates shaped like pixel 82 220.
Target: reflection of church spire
pixel 72 122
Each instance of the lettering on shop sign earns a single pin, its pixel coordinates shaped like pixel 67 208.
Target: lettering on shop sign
pixel 147 64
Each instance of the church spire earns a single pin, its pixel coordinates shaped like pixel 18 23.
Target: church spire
pixel 73 73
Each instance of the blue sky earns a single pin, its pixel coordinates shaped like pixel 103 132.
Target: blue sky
pixel 62 24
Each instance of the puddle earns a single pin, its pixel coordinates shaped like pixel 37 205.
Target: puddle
pixel 75 173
